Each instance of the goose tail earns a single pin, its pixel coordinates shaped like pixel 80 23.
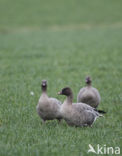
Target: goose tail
pixel 100 111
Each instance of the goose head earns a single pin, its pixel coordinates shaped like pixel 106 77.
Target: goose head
pixel 44 85
pixel 88 80
pixel 67 92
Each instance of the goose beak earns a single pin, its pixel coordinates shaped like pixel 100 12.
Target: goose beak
pixel 59 93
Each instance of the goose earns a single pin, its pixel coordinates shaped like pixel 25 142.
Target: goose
pixel 89 94
pixel 77 114
pixel 48 108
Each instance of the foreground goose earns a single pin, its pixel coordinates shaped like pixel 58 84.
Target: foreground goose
pixel 89 94
pixel 48 108
pixel 77 114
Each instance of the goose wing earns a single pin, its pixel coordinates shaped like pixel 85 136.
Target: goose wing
pixel 82 107
pixel 54 100
pixel 79 96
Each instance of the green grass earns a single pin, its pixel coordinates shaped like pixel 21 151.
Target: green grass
pixel 62 42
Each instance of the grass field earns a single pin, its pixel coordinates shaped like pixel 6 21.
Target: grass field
pixel 63 42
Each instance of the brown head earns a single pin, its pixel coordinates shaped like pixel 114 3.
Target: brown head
pixel 44 85
pixel 66 91
pixel 88 80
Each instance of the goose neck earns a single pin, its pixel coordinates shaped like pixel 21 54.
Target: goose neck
pixel 44 89
pixel 69 99
pixel 88 85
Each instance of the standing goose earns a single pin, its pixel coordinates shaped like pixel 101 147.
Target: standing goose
pixel 89 94
pixel 77 114
pixel 48 108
